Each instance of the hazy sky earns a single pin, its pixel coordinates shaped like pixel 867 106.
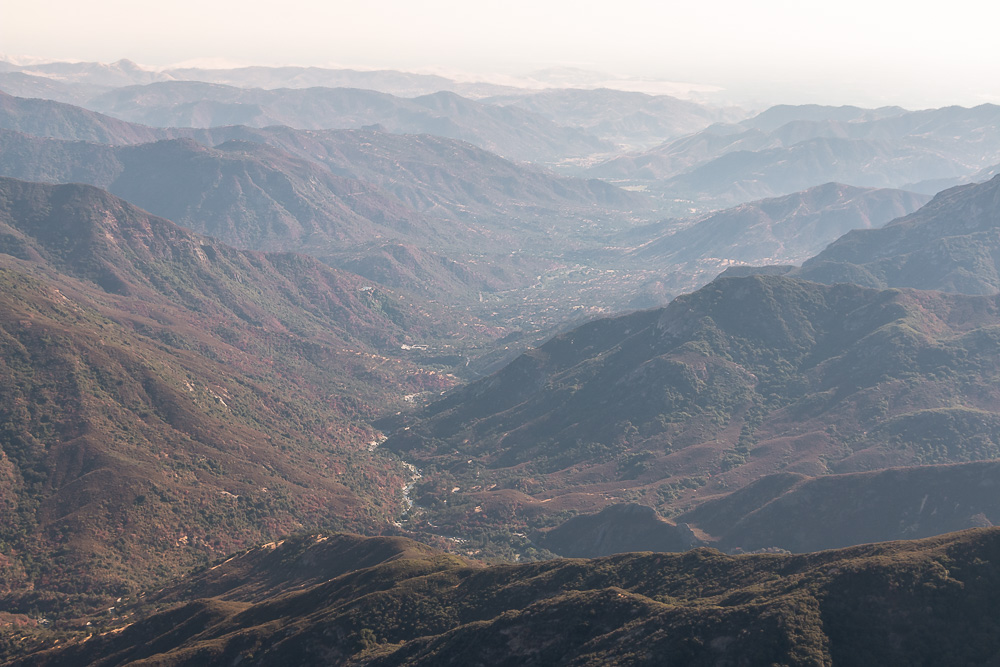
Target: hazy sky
pixel 862 51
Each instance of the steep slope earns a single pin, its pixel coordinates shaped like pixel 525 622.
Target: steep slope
pixel 932 598
pixel 170 398
pixel 423 272
pixel 45 118
pixel 88 234
pixel 475 221
pixel 264 572
pixel 616 529
pixel 785 229
pixel 951 244
pixel 801 513
pixel 246 194
pixel 744 378
pixel 798 513
pixel 434 173
pixel 427 172
pixel 510 132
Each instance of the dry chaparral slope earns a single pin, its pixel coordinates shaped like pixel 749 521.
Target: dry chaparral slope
pixel 168 398
pixel 741 379
pixel 746 378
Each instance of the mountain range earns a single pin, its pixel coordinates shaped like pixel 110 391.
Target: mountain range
pixel 626 119
pixel 793 512
pixel 508 131
pixel 741 379
pixel 45 118
pixel 947 245
pixel 169 397
pixel 621 118
pixel 338 599
pixel 786 230
pixel 243 193
pixel 411 167
pixel 99 77
pixel 951 244
pixel 349 196
pixel 416 212
pixel 318 309
pixel 749 378
pixel 794 148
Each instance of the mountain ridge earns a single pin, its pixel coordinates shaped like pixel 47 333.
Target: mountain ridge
pixel 786 229
pixel 172 398
pixel 511 132
pixel 698 608
pixel 949 245
pixel 743 378
pixel 726 164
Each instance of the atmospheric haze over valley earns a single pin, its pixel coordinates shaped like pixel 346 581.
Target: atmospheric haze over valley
pixel 530 334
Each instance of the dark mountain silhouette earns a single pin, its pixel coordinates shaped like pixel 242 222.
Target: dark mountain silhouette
pixel 352 601
pixel 617 529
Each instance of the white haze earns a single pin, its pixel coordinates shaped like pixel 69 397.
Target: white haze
pixel 914 54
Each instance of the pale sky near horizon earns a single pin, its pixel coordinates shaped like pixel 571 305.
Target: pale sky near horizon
pixel 852 51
